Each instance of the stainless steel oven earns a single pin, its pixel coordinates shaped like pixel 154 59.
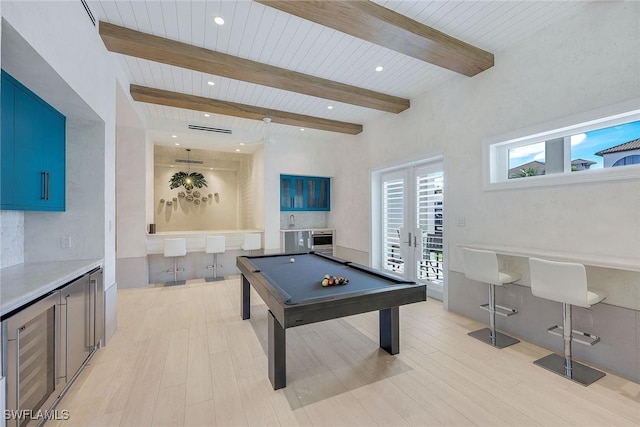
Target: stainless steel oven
pixel 322 241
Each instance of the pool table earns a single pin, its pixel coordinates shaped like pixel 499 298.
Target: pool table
pixel 295 296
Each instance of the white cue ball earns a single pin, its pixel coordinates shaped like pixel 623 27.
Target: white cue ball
pixel 292 260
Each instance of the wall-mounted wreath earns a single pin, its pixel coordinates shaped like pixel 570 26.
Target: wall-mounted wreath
pixel 188 180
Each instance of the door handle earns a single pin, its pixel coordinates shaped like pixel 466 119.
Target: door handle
pixel 408 242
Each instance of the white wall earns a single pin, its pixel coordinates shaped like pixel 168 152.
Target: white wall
pixel 217 213
pixel 82 223
pixel 131 194
pixel 590 61
pixel 295 157
pixel 73 53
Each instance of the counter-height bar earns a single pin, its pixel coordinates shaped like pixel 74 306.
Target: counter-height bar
pixel 616 319
pixel 593 260
pixel 618 276
pixel 196 260
pixel 196 240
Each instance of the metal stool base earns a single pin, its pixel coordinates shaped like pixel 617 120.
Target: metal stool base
pixel 501 340
pixel 175 283
pixel 213 279
pixel 582 374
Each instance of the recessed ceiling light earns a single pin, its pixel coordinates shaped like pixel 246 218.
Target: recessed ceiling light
pixel 210 169
pixel 237 149
pixel 174 136
pixel 177 143
pixel 242 143
pixel 379 68
pixel 171 165
pixel 210 83
pixel 218 20
pixel 301 129
pixel 206 115
pixel 330 107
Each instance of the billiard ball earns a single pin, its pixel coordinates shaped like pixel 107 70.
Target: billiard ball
pixel 292 260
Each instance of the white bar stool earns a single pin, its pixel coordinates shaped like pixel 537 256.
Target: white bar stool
pixel 251 242
pixel 483 266
pixel 175 248
pixel 566 282
pixel 215 246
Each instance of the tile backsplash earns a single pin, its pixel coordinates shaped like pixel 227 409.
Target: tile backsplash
pixel 303 219
pixel 11 238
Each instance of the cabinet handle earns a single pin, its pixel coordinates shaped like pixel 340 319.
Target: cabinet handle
pixel 43 185
pixel 20 329
pixel 66 335
pixel 48 185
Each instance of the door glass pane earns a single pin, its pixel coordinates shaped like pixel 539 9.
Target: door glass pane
pixel 392 220
pixel 285 193
pixel 311 193
pixel 298 195
pixel 429 204
pixel 323 193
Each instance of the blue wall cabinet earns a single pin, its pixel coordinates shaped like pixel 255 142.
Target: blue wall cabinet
pixel 33 151
pixel 304 193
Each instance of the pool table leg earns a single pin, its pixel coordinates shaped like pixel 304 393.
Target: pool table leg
pixel 277 353
pixel 390 330
pixel 246 298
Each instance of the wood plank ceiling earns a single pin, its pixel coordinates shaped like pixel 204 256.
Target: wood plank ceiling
pixel 306 62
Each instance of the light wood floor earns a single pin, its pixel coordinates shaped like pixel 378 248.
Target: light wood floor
pixel 183 356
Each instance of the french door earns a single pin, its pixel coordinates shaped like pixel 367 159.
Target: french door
pixel 412 223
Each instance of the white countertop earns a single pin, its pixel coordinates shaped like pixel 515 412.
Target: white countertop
pixel 196 239
pixel 23 283
pixel 163 234
pixel 305 229
pixel 604 261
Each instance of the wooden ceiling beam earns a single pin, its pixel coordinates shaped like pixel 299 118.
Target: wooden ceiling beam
pixel 198 103
pixel 369 21
pixel 146 46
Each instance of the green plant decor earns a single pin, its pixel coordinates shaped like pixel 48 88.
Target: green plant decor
pixel 188 180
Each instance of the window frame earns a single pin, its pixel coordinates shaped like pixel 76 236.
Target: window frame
pixel 495 150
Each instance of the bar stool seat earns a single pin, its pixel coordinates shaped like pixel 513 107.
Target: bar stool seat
pixel 175 248
pixel 482 266
pixel 251 242
pixel 215 245
pixel 566 282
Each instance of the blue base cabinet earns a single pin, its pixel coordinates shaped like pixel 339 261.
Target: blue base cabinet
pixel 305 193
pixel 32 150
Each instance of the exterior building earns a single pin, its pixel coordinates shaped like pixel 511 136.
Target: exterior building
pixel 621 155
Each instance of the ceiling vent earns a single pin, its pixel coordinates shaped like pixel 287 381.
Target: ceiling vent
pixel 207 129
pixel 88 10
pixel 197 162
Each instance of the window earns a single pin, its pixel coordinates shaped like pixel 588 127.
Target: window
pixel 581 151
pixel 629 160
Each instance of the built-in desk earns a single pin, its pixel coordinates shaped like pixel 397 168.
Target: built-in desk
pixel 618 276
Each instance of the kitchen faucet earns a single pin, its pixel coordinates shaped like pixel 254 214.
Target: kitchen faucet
pixel 292 221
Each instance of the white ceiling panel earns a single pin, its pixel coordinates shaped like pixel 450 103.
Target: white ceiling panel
pixel 266 35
